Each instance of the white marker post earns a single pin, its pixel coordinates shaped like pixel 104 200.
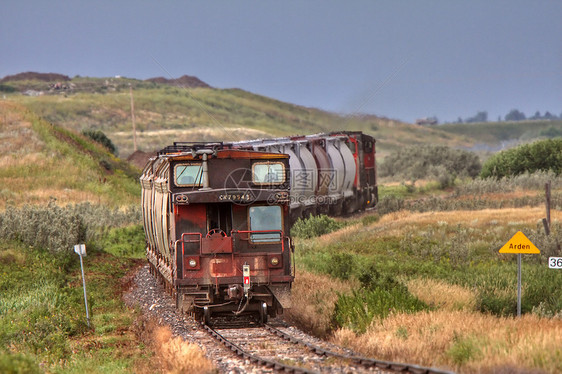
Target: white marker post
pixel 80 249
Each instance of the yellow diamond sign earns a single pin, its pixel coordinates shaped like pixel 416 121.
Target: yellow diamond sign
pixel 519 243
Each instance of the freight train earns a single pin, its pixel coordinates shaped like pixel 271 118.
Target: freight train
pixel 217 215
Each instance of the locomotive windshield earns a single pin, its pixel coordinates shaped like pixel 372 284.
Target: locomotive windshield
pixel 268 173
pixel 265 218
pixel 188 175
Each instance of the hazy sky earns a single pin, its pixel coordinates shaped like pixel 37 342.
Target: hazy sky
pixel 398 59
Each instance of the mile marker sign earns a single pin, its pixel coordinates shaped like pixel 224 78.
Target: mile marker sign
pixel 519 243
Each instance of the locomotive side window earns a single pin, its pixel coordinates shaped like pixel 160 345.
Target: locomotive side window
pixel 188 175
pixel 265 218
pixel 368 146
pixel 268 173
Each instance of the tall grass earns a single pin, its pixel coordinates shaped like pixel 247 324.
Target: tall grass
pixel 42 318
pixel 426 260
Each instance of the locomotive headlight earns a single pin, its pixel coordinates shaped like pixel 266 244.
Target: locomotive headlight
pixel 274 261
pixel 192 263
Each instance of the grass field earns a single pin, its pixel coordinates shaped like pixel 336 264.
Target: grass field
pixel 426 284
pixel 420 280
pixel 43 326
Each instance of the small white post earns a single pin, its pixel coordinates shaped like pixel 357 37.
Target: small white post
pixel 81 250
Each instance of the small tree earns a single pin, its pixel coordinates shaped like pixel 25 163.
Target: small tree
pixel 515 115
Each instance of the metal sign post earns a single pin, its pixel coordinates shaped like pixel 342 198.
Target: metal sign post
pixel 519 285
pixel 519 244
pixel 81 250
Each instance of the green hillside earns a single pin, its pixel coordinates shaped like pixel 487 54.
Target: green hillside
pixel 166 113
pixel 41 161
pixel 498 133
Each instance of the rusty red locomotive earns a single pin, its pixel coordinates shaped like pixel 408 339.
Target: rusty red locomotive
pixel 217 215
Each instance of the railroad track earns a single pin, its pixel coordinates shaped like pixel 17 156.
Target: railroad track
pixel 276 349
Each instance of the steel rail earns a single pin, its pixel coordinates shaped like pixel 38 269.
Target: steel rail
pixel 366 362
pixel 254 358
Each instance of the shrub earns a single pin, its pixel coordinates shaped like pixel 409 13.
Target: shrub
pixel 100 137
pixel 13 363
pixel 125 242
pixel 315 226
pixel 58 229
pixel 542 155
pixel 429 161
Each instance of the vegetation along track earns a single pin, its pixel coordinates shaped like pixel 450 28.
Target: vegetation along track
pixel 276 347
pixel 294 352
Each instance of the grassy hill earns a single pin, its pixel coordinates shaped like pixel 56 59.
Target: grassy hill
pixel 494 136
pixel 166 113
pixel 41 162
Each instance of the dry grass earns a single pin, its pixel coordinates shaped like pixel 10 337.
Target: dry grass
pixel 314 298
pixel 396 224
pixel 467 342
pixel 503 196
pixel 178 356
pixel 442 295
pixel 157 139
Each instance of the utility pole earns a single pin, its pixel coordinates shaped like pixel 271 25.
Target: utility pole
pixel 133 119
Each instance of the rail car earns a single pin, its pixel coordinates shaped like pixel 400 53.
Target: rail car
pixel 216 221
pixel 331 173
pixel 217 215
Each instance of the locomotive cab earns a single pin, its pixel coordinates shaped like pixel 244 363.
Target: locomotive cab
pixel 221 239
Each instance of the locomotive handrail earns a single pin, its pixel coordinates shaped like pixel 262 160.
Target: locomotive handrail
pixel 183 241
pixel 282 236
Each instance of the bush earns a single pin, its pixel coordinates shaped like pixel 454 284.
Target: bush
pixel 57 229
pixel 428 161
pixel 315 226
pixel 16 363
pixel 100 137
pixel 125 242
pixel 543 155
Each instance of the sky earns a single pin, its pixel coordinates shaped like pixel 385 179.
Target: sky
pixel 397 59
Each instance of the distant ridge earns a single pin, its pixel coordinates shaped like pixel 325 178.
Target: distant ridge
pixel 183 81
pixel 30 75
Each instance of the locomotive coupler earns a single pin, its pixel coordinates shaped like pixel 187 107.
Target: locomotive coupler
pixel 235 292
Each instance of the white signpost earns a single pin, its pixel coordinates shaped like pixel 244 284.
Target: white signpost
pixel 80 249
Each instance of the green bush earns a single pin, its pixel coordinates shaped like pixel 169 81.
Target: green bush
pixel 100 137
pixel 125 242
pixel 315 226
pixel 17 363
pixel 429 161
pixel 543 155
pixel 57 228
